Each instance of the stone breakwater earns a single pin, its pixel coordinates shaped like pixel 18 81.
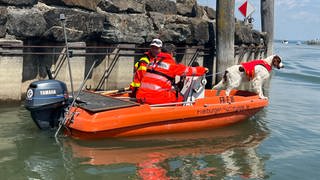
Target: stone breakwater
pixel 115 21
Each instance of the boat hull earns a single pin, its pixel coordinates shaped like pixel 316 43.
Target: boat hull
pixel 173 126
pixel 208 113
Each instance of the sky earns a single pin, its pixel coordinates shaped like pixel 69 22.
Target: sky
pixel 294 19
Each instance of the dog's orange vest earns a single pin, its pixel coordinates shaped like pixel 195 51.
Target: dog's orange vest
pixel 249 67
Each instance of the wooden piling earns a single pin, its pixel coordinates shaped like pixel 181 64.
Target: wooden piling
pixel 267 23
pixel 225 35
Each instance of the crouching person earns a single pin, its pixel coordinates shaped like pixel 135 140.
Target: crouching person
pixel 157 85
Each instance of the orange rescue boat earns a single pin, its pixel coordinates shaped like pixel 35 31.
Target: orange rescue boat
pixel 94 115
pixel 133 119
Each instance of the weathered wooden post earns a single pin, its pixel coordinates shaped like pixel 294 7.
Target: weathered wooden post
pixel 267 23
pixel 225 35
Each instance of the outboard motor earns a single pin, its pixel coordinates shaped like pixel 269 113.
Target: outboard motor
pixel 47 100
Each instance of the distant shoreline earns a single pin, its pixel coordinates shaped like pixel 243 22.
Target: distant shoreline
pixel 307 42
pixel 313 42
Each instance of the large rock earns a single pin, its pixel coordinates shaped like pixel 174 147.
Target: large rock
pixel 25 23
pixel 200 11
pixel 81 24
pixel 187 7
pixel 161 6
pixel 2 31
pixel 177 33
pixel 176 20
pixel 211 13
pixel 3 15
pixel 124 28
pixel 85 4
pixel 19 2
pixel 180 29
pixel 257 37
pixel 56 33
pixel 200 31
pixel 187 2
pixel 3 21
pixel 171 28
pixel 139 28
pixel 122 6
pixel 245 35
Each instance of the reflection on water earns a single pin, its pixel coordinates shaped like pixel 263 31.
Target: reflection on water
pixel 226 152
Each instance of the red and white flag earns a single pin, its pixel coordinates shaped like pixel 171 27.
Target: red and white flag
pixel 246 9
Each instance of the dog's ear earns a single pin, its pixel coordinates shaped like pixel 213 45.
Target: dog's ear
pixel 277 58
pixel 276 61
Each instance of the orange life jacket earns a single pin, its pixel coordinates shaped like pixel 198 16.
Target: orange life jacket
pixel 249 67
pixel 140 69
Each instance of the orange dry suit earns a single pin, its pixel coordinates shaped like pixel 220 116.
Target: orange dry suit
pixel 157 85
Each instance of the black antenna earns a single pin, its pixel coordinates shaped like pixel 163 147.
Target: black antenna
pixel 63 22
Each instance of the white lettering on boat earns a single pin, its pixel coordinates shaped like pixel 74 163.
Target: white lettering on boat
pixel 218 110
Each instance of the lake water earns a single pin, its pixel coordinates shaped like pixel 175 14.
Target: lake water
pixel 280 142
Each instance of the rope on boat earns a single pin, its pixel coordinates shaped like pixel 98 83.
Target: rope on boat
pixel 209 75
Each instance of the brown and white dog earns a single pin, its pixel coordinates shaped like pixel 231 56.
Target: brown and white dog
pixel 256 72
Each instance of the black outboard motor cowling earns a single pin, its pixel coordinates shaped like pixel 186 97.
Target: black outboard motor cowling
pixel 47 100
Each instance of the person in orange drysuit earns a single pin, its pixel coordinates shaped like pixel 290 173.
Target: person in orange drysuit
pixel 157 85
pixel 141 66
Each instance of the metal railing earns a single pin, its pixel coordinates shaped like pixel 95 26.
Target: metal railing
pixel 7 49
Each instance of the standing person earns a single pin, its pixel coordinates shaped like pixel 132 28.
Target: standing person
pixel 157 85
pixel 141 66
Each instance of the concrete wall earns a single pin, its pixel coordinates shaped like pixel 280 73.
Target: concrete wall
pixel 122 73
pixel 77 63
pixel 10 72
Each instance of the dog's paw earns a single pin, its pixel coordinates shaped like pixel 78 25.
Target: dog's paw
pixel 264 98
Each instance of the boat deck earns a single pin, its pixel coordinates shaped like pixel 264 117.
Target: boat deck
pixel 94 102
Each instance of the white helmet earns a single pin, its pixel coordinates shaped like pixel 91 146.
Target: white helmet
pixel 157 43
